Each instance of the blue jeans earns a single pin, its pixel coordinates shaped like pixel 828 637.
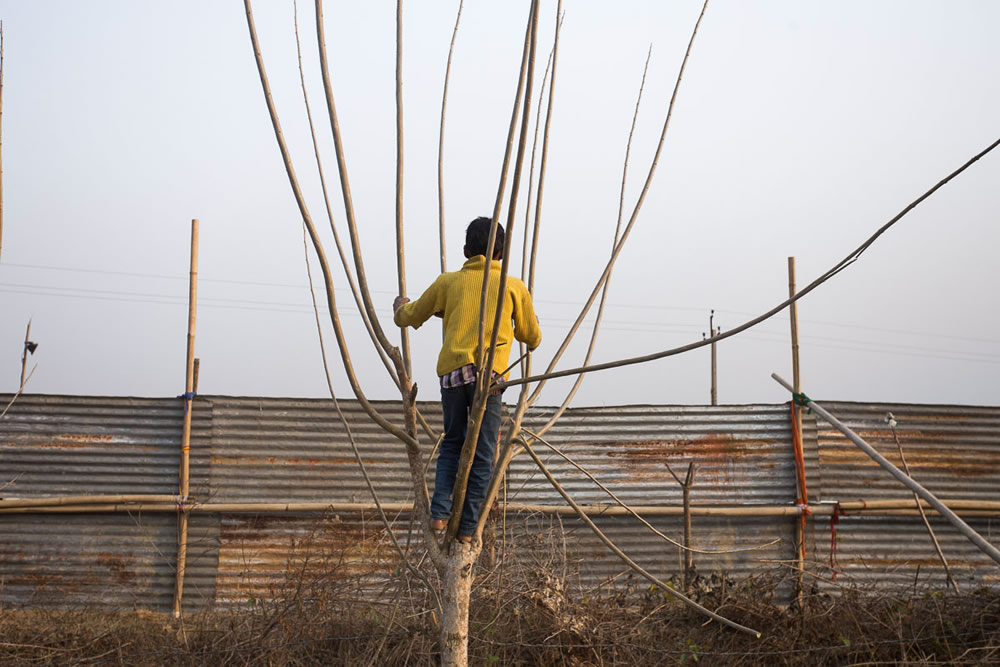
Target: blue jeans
pixel 455 405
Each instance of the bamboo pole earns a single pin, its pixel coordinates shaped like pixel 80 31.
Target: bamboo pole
pixel 901 476
pixel 185 472
pixel 83 500
pixel 800 526
pixel 973 508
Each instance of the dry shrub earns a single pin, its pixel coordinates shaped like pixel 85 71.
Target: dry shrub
pixel 528 610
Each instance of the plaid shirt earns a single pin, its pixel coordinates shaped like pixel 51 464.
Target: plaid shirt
pixel 463 376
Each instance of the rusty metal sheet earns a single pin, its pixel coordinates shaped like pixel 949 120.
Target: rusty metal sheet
pixel 954 451
pixel 103 561
pixel 271 556
pixel 78 445
pixel 896 553
pixel 297 450
pixel 742 455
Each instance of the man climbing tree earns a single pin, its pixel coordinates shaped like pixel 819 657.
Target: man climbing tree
pixel 455 297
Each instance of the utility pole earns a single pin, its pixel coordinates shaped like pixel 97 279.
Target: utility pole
pixel 29 348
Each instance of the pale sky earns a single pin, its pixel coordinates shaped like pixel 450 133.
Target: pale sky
pixel 799 129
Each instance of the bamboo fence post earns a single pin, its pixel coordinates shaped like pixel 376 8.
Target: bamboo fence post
pixel 905 479
pixel 185 472
pixel 800 526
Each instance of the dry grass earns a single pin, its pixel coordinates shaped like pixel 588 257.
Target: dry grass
pixel 531 611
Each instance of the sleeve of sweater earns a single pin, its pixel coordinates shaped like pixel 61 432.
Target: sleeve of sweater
pixel 415 313
pixel 526 327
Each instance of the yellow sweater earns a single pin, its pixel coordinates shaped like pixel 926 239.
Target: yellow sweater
pixel 455 297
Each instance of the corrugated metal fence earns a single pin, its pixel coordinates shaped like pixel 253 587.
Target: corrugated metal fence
pixel 278 450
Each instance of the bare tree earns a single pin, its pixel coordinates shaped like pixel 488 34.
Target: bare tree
pixel 453 559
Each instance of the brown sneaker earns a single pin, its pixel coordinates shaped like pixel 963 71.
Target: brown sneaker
pixel 439 524
pixel 464 538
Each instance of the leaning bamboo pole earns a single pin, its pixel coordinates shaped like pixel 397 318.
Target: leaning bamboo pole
pixel 185 467
pixel 901 476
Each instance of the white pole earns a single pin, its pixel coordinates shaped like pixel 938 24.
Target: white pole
pixel 905 479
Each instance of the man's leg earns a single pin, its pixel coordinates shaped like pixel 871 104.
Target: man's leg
pixel 482 466
pixel 455 410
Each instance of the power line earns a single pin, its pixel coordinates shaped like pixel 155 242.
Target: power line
pixel 643 306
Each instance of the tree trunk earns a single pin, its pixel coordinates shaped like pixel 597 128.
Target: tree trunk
pixel 456 589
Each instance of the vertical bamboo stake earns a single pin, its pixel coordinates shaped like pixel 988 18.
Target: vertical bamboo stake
pixel 188 397
pixel 793 314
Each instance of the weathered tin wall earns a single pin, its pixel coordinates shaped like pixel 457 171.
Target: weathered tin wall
pixel 290 450
pixel 953 451
pixel 297 450
pixel 54 446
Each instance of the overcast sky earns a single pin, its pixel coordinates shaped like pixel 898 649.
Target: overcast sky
pixel 799 129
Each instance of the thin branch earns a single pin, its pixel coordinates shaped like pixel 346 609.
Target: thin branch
pixel 345 188
pixel 625 558
pixel 507 451
pixel 607 284
pixel 631 511
pixel 329 212
pixel 400 254
pixel 485 366
pixel 444 104
pixel 635 211
pixel 837 268
pixel 19 390
pixel 432 546
pixel 545 148
pixel 317 244
pixel 531 179
pixel 923 515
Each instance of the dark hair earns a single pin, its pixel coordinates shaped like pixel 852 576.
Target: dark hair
pixel 477 237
